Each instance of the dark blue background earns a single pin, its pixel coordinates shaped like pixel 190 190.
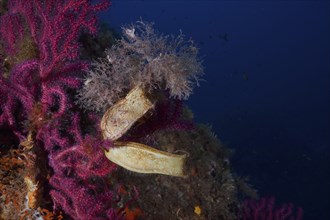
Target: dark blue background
pixel 266 91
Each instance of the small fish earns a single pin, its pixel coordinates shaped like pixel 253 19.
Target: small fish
pixel 245 77
pixel 223 37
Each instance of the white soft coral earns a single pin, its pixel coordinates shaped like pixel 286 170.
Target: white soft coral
pixel 142 58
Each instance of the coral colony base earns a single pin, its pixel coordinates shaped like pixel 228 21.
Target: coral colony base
pixel 80 138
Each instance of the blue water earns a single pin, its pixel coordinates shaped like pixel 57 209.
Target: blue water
pixel 266 90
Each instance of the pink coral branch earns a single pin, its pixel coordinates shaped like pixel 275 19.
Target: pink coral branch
pixel 265 209
pixel 167 115
pixel 54 98
pixel 81 201
pixel 84 163
pixel 13 32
